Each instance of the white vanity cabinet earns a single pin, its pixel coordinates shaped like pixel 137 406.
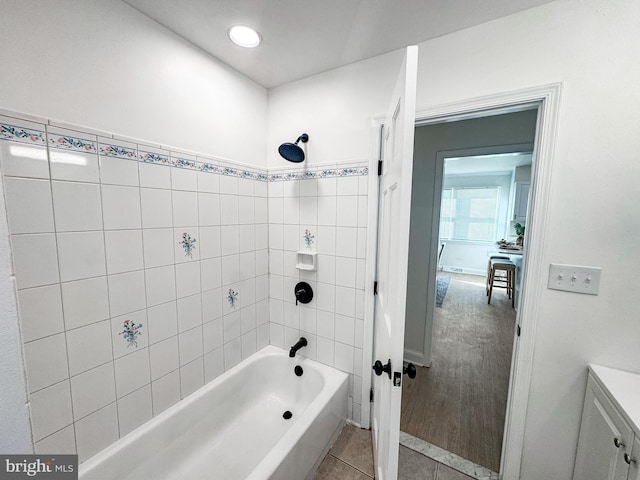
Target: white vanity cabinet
pixel 609 443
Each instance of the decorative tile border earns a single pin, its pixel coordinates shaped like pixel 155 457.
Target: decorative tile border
pixel 15 133
pixel 57 138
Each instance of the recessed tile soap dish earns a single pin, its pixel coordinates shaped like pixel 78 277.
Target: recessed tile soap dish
pixel 307 261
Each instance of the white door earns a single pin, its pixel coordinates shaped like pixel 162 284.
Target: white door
pixel 392 259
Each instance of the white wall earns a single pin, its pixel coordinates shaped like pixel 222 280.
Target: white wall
pixel 587 46
pixel 101 64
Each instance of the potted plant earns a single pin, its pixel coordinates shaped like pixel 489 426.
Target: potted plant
pixel 519 228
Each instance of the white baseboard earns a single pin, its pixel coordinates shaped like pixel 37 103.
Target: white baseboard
pixel 415 357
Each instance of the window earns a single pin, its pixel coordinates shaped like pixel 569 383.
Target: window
pixel 469 214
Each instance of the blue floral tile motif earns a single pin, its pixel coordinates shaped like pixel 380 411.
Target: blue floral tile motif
pixel 308 238
pixel 110 150
pixel 21 134
pixel 130 332
pixel 322 173
pixel 72 143
pixel 232 297
pixel 150 157
pixel 188 243
pixel 183 163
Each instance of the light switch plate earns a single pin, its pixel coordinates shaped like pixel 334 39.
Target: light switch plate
pixel 572 278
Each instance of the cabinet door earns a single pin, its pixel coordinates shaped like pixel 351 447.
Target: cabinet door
pixel 598 457
pixel 634 468
pixel 521 202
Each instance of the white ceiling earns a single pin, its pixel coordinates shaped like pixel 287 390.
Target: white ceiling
pixel 486 164
pixel 305 37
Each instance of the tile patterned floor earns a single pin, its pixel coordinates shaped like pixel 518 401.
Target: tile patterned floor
pixel 351 458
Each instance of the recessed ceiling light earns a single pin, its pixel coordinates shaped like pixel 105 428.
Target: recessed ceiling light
pixel 244 36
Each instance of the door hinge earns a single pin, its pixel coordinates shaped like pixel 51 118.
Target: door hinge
pixel 518 330
pixel 371 395
pixel 379 167
pixel 375 287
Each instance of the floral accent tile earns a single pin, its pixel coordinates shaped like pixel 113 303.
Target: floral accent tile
pixel 152 157
pixel 184 163
pixel 21 134
pixel 322 173
pixel 118 151
pixel 308 238
pixel 130 332
pixel 188 243
pixel 232 297
pixel 68 142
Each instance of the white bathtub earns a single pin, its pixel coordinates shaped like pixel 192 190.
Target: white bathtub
pixel 233 427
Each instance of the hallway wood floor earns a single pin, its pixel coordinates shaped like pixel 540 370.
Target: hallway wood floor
pixel 459 403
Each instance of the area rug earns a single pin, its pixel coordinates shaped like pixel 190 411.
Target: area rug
pixel 441 289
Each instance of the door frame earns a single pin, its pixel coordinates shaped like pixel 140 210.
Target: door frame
pixel 547 100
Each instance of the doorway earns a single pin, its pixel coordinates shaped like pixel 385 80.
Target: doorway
pixel 464 346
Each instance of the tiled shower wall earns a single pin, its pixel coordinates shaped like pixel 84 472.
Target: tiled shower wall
pixel 142 274
pixel 329 207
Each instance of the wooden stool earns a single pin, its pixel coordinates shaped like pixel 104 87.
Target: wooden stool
pixel 502 274
pixel 493 257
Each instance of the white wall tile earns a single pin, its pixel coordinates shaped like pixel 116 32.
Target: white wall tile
pixel 326 297
pixel 185 209
pixel 249 344
pixel 327 211
pixel 346 241
pixel 77 206
pixel 326 268
pixel 187 279
pixel 232 325
pixel 74 166
pixel 157 210
pixel 228 185
pixel 291 240
pixel 160 285
pixel 276 237
pixel 29 205
pixel 158 246
pixel 347 214
pixel 344 329
pixel 276 210
pixel 118 171
pixel 276 288
pixel 262 262
pixel 93 390
pixel 208 209
pixel 190 345
pixel 344 357
pixel 246 213
pixel 345 301
pixel 326 240
pixel 360 273
pixel 124 250
pixel 162 321
pixel 164 357
pixel 261 210
pixel 230 270
pixel 247 265
pixel 184 179
pixel 165 392
pixel 248 318
pixel 181 253
pixel 291 210
pixel 89 347
pixel 246 240
pixel 276 262
pixel 276 334
pixel 325 351
pixel 213 364
pixel 327 187
pixel 311 350
pixel 347 186
pixel 96 431
pixel 309 187
pixel 325 324
pixel 81 255
pixel 363 213
pixel 232 353
pixel 229 210
pixel 360 304
pixel 213 335
pixel 291 188
pixel 24 160
pixel 134 410
pixel 85 302
pixel 358 334
pixel 308 319
pixel 345 272
pixel 309 211
pixel 121 207
pixel 275 189
pixel 291 315
pixel 191 377
pixel 123 345
pixel 34 260
pixel 212 304
pixel 40 312
pixel 126 292
pixel 50 410
pixel 361 245
pixel 155 176
pixel 262 336
pixel 132 372
pixel 211 273
pixel 62 442
pixel 260 188
pixel 246 187
pixel 46 361
pixel 189 312
pixel 210 242
pixel 230 240
pixel 291 336
pixel 208 182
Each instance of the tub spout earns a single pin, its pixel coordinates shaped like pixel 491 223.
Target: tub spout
pixel 299 344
